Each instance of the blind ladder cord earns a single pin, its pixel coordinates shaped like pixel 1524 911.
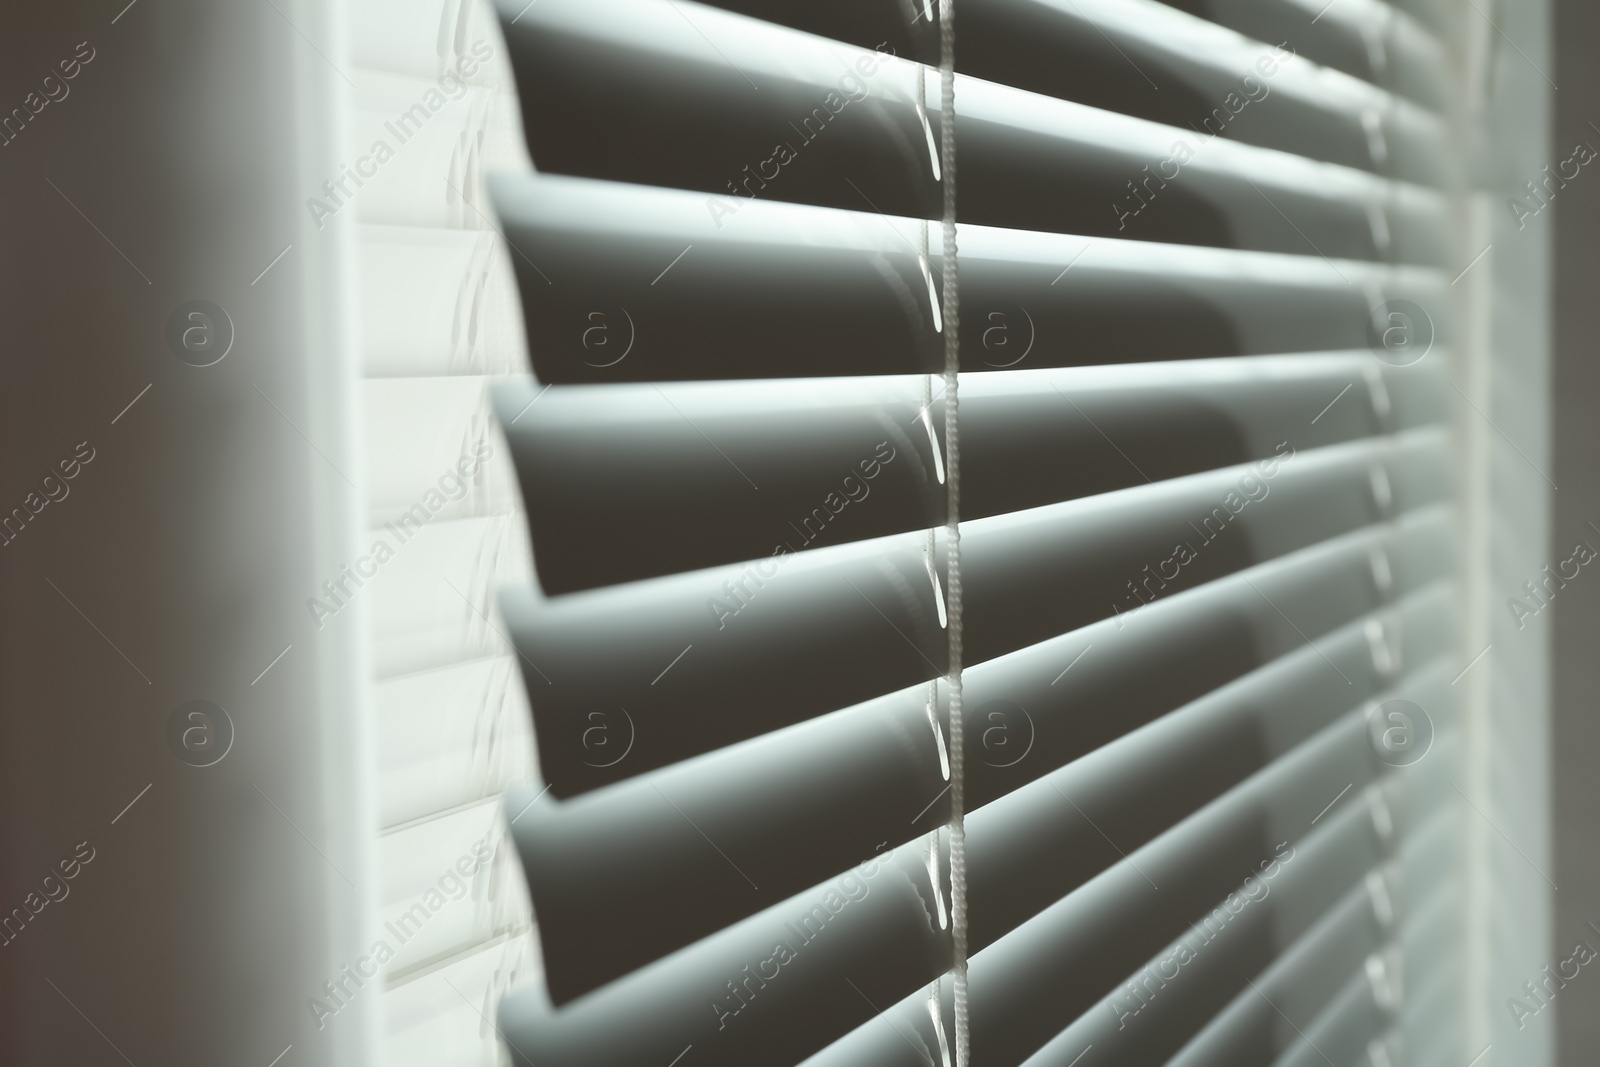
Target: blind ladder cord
pixel 949 298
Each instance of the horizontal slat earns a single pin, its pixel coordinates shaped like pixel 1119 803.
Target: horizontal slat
pixel 628 90
pixel 908 28
pixel 1366 38
pixel 1147 1017
pixel 1343 1031
pixel 423 37
pixel 431 601
pixel 435 1017
pixel 1059 965
pixel 631 283
pixel 433 452
pixel 1430 1026
pixel 1434 14
pixel 1411 983
pixel 1343 841
pixel 416 150
pixel 1249 1028
pixel 893 942
pixel 656 1013
pixel 449 736
pixel 1432 931
pixel 1375 41
pixel 447 886
pixel 637 90
pixel 595 862
pixel 438 302
pixel 672 661
pixel 619 479
pixel 1143 58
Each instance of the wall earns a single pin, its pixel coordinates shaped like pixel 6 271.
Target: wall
pixel 229 878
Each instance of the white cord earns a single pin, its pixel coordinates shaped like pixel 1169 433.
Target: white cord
pixel 952 368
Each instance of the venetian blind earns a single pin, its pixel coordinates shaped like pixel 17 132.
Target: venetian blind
pixel 1206 546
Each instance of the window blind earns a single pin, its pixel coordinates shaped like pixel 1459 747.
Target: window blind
pixel 433 109
pixel 1207 532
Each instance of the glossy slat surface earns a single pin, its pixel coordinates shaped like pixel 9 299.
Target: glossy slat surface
pixel 594 862
pixel 1063 963
pixel 680 661
pixel 1369 39
pixel 625 283
pixel 626 90
pixel 893 942
pixel 619 479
